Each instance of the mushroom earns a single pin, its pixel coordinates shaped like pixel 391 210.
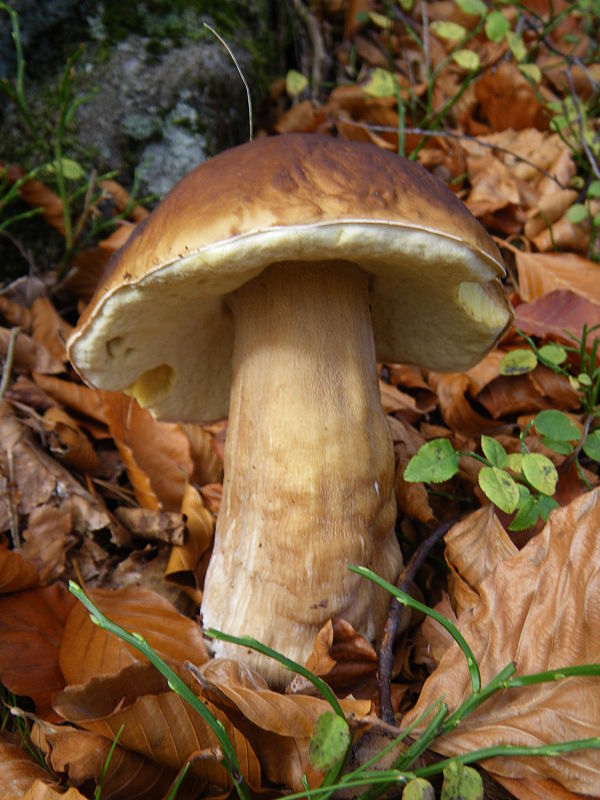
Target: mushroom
pixel 266 285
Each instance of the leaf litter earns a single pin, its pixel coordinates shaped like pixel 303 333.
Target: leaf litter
pixel 94 488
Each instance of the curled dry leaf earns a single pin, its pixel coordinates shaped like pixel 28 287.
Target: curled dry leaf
pixel 455 408
pixel 16 572
pixel 156 454
pixel 18 770
pixel 188 561
pixel 31 630
pixel 521 394
pixel 87 650
pixel 68 443
pixel 208 465
pixel 122 200
pixel 158 724
pixel 506 100
pixel 40 790
pixel 540 609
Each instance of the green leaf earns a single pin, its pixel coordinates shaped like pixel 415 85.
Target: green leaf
pixel 584 379
pixel 517 47
pixel 435 462
pixel 545 505
pixel 564 448
pixel 407 4
pixel 515 462
pixel 380 20
pixel 381 83
pixel 295 82
pixel 494 452
pixel 477 8
pixel 518 362
pixel 499 487
pixel 556 425
pixel 461 783
pixel 71 169
pixel 531 71
pixel 526 516
pixel 467 59
pixel 418 789
pixel 594 189
pixel 329 742
pixel 577 213
pixel 540 472
pixel 448 30
pixel 496 26
pixel 553 353
pixel 591 446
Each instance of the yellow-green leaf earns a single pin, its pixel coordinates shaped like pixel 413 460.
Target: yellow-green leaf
pixel 467 59
pixel 381 83
pixel 295 83
pixel 448 30
pixel 531 71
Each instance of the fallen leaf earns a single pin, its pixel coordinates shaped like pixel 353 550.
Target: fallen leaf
pixel 158 724
pixel 156 454
pixel 87 651
pixel 49 329
pixel 557 312
pixel 542 273
pixel 18 770
pixel 16 572
pixel 540 609
pixel 28 354
pixel 31 630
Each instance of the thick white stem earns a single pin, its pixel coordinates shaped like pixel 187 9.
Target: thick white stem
pixel 309 467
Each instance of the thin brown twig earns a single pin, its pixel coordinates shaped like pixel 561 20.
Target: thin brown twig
pixel 461 136
pixel 320 58
pixel 398 618
pixel 8 362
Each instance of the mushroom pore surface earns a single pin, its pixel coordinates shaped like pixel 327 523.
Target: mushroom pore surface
pixel 309 467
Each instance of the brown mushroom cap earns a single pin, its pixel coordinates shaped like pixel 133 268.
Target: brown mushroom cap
pixel 159 325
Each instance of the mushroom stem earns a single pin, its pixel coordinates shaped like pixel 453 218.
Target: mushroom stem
pixel 309 467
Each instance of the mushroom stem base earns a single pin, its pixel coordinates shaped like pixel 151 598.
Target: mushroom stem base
pixel 309 467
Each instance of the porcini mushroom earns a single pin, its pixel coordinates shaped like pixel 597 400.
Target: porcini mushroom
pixel 265 285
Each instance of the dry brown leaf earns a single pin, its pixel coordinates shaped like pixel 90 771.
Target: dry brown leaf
pixel 456 410
pixel 46 541
pixel 75 396
pixel 474 548
pixel 160 526
pixel 18 770
pixel 185 559
pixel 68 443
pixel 40 790
pixel 28 354
pixel 158 724
pixel 38 479
pixel 49 329
pixel 567 236
pixel 522 394
pixel 507 100
pixel 542 273
pixel 556 312
pixel 31 629
pixel 37 194
pixel 540 609
pixel 493 187
pixel 156 454
pixel 83 756
pixel 208 466
pixel 87 651
pixel 122 200
pixel 16 572
pixel 15 314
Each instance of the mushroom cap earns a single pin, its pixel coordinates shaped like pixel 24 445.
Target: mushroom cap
pixel 159 323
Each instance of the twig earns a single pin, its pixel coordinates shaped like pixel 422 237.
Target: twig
pixel 588 151
pixel 398 617
pixel 320 57
pixel 460 136
pixel 8 362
